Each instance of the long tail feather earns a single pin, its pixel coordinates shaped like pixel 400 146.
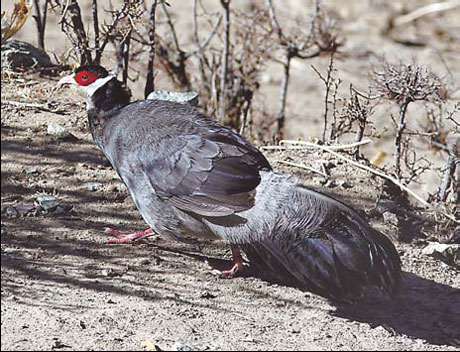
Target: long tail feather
pixel 337 255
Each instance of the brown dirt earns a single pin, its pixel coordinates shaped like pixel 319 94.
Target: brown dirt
pixel 64 288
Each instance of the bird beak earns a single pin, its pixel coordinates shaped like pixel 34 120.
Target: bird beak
pixel 67 80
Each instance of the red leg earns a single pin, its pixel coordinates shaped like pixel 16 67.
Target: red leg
pixel 238 263
pixel 123 237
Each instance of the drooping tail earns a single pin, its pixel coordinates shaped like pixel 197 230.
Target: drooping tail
pixel 321 245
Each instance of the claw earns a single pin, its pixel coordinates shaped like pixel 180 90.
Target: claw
pixel 230 274
pixel 238 264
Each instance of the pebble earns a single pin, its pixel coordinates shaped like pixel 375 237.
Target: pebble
pixel 24 209
pixel 31 170
pixel 55 129
pixel 94 186
pixel 48 202
pixel 177 97
pixel 390 218
pixel 207 295
pixel 183 346
pixel 12 212
pixel 344 184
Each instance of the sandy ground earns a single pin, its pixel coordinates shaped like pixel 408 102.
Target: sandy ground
pixel 64 288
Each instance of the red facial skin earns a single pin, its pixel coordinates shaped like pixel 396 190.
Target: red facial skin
pixel 85 78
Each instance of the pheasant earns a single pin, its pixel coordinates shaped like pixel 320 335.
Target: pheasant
pixel 190 176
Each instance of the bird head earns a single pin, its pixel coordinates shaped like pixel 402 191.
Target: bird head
pixel 89 78
pixel 103 91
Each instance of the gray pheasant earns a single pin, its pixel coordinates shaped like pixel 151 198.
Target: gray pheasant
pixel 190 176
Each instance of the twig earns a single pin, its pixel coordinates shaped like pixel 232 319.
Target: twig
pixel 311 145
pixel 328 80
pixel 401 125
pixel 358 112
pixel 206 42
pixel 224 64
pixel 149 84
pixel 81 41
pixel 109 29
pixel 280 115
pixel 177 71
pixel 291 50
pixel 97 47
pixel 426 10
pixel 171 26
pixel 305 167
pixel 125 46
pixel 274 22
pixel 40 19
pixel 447 178
pixel 43 107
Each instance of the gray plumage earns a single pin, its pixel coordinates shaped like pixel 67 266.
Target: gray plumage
pixel 189 176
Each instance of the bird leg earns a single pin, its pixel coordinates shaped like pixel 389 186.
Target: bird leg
pixel 238 263
pixel 124 237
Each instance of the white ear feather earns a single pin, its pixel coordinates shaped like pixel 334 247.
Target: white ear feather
pixel 93 87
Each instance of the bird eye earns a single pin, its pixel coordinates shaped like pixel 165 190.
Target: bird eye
pixel 84 77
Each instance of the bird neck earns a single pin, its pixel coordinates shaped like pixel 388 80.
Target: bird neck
pixel 104 103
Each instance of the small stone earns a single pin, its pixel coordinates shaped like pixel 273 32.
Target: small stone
pixel 330 184
pixel 55 129
pixel 454 198
pixel 342 183
pixel 31 170
pixel 183 346
pixel 176 97
pixel 390 218
pixel 24 209
pixel 65 210
pixel 207 295
pixel 111 273
pixel 12 212
pixel 321 180
pixel 48 202
pixel 385 205
pixel 94 186
pixel 116 188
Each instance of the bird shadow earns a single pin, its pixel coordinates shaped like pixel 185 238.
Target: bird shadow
pixel 423 309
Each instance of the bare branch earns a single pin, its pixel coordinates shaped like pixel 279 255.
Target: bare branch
pixel 224 64
pixel 425 10
pixel 171 26
pixel 97 47
pixel 149 84
pixel 80 41
pixel 40 20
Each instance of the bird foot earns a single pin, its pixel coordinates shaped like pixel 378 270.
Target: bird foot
pixel 230 274
pixel 124 237
pixel 238 264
